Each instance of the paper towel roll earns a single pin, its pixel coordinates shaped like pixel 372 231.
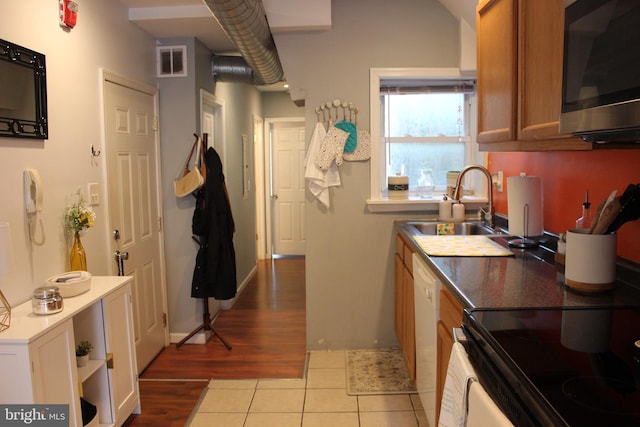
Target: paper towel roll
pixel 525 191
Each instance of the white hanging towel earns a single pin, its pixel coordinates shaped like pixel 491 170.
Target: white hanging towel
pixel 319 180
pixel 483 411
pixel 460 373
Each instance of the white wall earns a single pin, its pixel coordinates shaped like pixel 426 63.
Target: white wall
pixel 103 38
pixel 349 263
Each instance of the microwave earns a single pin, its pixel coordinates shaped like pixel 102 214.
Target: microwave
pixel 601 70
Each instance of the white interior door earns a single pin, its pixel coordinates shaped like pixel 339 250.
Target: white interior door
pixel 288 147
pixel 132 171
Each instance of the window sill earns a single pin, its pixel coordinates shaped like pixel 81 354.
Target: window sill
pixel 413 204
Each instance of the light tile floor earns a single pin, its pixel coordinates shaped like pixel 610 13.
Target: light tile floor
pixel 319 400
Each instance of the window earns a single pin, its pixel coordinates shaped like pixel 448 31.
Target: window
pixel 425 126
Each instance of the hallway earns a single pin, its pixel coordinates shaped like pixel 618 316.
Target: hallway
pixel 266 327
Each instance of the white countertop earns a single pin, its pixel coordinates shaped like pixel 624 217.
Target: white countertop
pixel 26 326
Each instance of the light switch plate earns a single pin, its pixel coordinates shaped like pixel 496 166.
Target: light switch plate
pixel 94 193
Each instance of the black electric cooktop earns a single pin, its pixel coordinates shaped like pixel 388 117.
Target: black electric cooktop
pixel 559 366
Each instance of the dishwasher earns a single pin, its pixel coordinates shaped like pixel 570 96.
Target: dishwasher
pixel 426 288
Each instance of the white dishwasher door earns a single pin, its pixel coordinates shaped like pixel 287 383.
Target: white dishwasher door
pixel 426 288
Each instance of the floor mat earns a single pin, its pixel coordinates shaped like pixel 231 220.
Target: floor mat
pixel 380 371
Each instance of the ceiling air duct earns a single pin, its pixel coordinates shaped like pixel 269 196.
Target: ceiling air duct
pixel 245 23
pixel 232 69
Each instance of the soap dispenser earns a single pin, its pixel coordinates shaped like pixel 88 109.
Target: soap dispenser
pixel 458 212
pixel 585 220
pixel 444 209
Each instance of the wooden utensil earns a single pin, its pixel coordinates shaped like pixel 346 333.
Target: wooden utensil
pixel 598 214
pixel 609 213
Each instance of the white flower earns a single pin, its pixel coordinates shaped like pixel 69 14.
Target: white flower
pixel 79 215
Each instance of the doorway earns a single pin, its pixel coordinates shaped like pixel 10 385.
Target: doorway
pixel 284 190
pixel 134 205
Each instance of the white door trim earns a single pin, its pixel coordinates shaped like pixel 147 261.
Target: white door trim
pixel 210 100
pixel 268 123
pixel 107 76
pixel 259 180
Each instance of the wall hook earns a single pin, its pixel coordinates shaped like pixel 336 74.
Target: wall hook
pixel 94 152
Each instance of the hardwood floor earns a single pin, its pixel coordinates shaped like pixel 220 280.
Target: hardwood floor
pixel 267 330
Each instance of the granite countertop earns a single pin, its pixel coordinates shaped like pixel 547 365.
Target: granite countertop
pixel 529 278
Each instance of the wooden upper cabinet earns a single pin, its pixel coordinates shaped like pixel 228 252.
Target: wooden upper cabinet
pixel 497 73
pixel 520 46
pixel 540 33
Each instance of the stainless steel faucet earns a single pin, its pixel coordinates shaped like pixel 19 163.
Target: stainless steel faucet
pixel 457 193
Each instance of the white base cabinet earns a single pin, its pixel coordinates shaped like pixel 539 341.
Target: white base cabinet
pixel 37 354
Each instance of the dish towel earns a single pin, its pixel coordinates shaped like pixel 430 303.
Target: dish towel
pixel 332 148
pixel 483 411
pixel 460 373
pixel 319 180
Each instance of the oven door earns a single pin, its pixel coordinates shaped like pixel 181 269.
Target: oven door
pixel 506 385
pixel 559 366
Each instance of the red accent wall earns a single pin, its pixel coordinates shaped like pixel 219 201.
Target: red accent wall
pixel 565 178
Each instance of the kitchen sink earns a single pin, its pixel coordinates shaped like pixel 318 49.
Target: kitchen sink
pixel 467 228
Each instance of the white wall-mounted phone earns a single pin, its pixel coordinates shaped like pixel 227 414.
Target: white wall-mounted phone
pixel 33 200
pixel 32 191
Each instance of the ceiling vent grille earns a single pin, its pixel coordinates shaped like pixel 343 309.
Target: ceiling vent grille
pixel 171 61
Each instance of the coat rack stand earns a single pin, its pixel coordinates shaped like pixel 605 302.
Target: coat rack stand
pixel 206 325
pixel 206 316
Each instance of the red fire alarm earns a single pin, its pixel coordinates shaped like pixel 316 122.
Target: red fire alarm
pixel 68 13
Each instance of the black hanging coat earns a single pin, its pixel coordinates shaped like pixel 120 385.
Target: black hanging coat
pixel 215 270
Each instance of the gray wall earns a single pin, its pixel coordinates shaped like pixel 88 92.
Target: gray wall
pixel 349 263
pixel 180 119
pixel 279 104
pixel 242 102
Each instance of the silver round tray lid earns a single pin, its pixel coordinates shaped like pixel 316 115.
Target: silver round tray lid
pixel 45 292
